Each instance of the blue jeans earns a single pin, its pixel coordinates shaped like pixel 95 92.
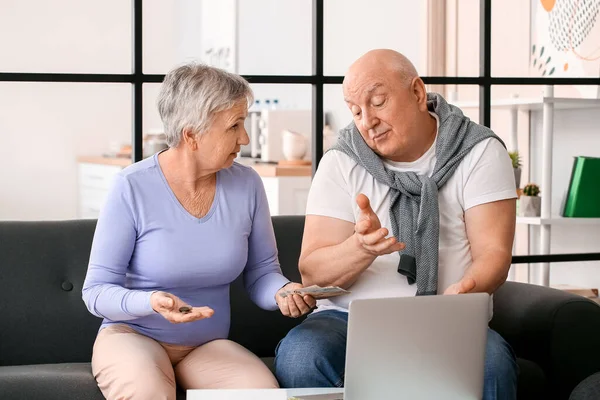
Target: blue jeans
pixel 320 341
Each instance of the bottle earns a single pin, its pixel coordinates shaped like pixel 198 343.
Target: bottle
pixel 267 104
pixel 275 104
pixel 255 106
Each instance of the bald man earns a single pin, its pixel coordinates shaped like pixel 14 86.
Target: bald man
pixel 414 199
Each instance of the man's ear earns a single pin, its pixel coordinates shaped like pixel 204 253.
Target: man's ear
pixel 417 88
pixel 189 138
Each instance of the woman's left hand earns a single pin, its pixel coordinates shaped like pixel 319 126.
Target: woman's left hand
pixel 294 305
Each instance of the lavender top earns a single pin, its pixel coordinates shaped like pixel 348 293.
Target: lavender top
pixel 146 241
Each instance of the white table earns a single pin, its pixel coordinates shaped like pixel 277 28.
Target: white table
pixel 266 394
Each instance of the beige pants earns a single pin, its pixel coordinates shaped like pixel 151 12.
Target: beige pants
pixel 129 365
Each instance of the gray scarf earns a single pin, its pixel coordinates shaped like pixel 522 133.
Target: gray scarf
pixel 414 209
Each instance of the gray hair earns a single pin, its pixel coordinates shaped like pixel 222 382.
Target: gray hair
pixel 193 93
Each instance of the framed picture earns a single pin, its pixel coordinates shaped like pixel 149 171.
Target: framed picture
pixel 565 41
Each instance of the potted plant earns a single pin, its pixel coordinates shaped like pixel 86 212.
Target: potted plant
pixel 530 204
pixel 516 163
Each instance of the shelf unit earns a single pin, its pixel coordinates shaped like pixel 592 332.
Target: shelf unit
pixel 557 220
pixel 547 104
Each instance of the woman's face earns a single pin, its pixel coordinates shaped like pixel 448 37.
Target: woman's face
pixel 219 144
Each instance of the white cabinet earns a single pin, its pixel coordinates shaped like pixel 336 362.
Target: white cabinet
pixel 287 195
pixel 94 182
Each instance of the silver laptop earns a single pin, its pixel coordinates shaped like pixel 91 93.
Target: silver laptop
pixel 426 347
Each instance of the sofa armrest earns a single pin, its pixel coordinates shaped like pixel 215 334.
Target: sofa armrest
pixel 558 330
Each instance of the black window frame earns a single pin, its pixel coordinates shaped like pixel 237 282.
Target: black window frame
pixel 317 80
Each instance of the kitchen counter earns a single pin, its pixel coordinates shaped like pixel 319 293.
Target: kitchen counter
pixel 117 161
pixel 263 169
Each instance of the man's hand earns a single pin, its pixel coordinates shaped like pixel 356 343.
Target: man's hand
pixel 369 233
pixel 294 305
pixel 168 306
pixel 465 285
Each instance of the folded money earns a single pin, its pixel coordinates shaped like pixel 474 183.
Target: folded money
pixel 317 292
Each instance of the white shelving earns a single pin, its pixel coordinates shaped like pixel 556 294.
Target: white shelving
pixel 557 220
pixel 536 103
pixel 547 104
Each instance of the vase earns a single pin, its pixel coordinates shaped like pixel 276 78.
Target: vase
pixel 530 206
pixel 294 145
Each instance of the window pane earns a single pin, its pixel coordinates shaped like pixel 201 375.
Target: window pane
pixel 275 37
pixel 48 131
pixel 164 25
pixel 151 119
pixel 545 38
pixel 440 39
pixel 65 36
pixel 252 37
pixel 462 38
pixel 293 99
pixel 353 27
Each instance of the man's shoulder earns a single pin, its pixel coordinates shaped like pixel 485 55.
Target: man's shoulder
pixel 489 150
pixel 335 161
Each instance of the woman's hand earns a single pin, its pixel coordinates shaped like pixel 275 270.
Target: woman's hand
pixel 294 305
pixel 176 311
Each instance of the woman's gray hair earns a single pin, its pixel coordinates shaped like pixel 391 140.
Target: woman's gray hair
pixel 192 93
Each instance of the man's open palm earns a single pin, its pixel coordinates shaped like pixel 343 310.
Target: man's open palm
pixel 370 234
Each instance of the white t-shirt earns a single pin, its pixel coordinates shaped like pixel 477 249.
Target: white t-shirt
pixel 484 175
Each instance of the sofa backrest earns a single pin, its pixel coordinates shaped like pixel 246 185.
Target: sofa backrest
pixel 44 320
pixel 42 268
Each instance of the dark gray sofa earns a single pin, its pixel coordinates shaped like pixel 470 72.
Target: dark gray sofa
pixel 46 333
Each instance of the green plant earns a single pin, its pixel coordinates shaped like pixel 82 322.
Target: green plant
pixel 531 189
pixel 515 158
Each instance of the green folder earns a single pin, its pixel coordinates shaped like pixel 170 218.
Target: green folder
pixel 583 196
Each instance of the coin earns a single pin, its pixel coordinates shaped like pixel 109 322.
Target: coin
pixel 185 309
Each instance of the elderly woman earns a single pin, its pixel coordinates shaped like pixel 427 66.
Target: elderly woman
pixel 176 230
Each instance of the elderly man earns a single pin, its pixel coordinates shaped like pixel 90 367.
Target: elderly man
pixel 414 199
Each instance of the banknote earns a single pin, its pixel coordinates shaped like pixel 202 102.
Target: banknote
pixel 317 292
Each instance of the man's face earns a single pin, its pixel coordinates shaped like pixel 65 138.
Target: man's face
pixel 384 109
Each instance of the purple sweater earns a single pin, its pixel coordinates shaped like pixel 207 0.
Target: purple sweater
pixel 146 241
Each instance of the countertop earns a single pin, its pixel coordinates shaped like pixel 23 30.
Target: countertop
pixel 263 169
